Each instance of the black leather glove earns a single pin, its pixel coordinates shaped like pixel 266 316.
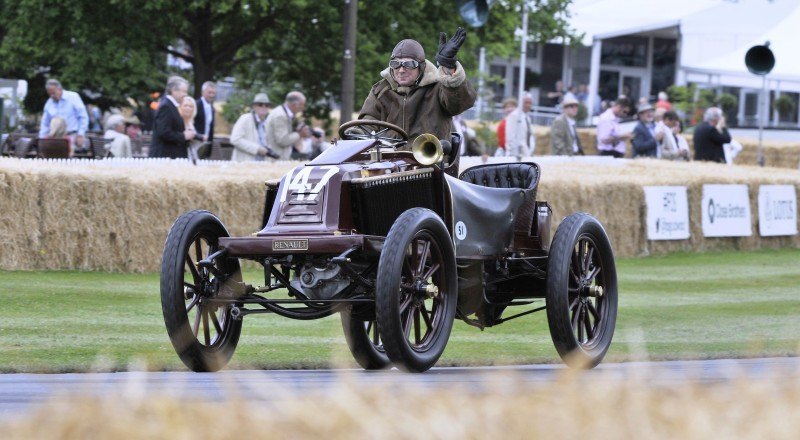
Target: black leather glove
pixel 449 49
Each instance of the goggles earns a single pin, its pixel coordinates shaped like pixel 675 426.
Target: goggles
pixel 408 64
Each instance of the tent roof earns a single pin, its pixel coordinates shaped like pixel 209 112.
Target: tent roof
pixel 601 19
pixel 783 40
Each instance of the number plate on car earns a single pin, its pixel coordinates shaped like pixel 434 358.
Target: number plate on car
pixel 290 245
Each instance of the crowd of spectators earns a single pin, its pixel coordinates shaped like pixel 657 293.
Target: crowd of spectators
pixel 183 127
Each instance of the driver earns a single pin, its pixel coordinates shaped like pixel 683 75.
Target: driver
pixel 418 97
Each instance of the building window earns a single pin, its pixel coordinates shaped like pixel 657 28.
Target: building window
pixel 497 81
pixel 624 51
pixel 665 52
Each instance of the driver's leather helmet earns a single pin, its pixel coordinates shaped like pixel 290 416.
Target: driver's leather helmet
pixel 409 48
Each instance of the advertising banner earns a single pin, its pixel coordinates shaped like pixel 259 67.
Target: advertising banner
pixel 777 210
pixel 726 211
pixel 667 212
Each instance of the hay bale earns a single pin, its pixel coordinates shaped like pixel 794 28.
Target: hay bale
pixel 94 216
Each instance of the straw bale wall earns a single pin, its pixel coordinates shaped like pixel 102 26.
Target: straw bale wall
pixel 115 215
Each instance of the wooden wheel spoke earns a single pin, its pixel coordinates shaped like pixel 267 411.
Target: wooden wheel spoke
pixel 579 324
pixel 198 249
pixel 576 315
pixel 417 327
pixel 594 273
pixel 429 273
pixel 372 330
pixel 423 257
pixel 588 259
pixel 206 329
pixel 407 323
pixel 407 268
pixel 193 269
pixel 196 325
pixel 593 311
pixel 588 324
pixel 582 255
pixel 405 303
pixel 575 302
pixel 214 321
pixel 192 303
pixel 427 318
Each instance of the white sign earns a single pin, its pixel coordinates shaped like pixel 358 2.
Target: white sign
pixel 667 212
pixel 777 210
pixel 461 231
pixel 726 211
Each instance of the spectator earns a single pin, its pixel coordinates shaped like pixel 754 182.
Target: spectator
pixel 470 144
pixel 120 145
pixel 133 128
pixel 509 105
pixel 416 95
pixel 663 101
pixel 95 116
pixel 58 130
pixel 204 121
pixel 563 136
pixel 249 136
pixel 311 146
pixel 196 148
pixel 710 135
pixel 583 94
pixel 646 139
pixel 284 128
pixel 68 106
pixel 557 95
pixel 170 133
pixel 673 145
pixel 520 139
pixel 610 139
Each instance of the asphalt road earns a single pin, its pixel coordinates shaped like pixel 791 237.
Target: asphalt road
pixel 23 392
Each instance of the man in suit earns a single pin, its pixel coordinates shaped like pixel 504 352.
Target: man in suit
pixel 646 140
pixel 204 120
pixel 170 134
pixel 710 135
pixel 520 139
pixel 284 128
pixel 563 137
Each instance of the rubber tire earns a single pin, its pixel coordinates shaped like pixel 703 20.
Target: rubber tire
pixel 361 346
pixel 387 291
pixel 195 355
pixel 573 353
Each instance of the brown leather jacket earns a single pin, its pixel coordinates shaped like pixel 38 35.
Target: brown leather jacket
pixel 424 108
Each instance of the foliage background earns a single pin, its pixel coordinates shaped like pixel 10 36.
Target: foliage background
pixel 114 51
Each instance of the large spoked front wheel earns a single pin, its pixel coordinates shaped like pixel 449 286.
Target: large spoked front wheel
pixel 416 290
pixel 204 334
pixel 581 291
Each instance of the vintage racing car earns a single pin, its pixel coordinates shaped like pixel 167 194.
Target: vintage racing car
pixel 382 231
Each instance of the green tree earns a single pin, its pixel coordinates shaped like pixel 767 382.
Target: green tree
pixel 116 49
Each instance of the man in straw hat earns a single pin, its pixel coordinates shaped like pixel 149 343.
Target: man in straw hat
pixel 646 140
pixel 248 136
pixel 563 136
pixel 120 145
pixel 415 95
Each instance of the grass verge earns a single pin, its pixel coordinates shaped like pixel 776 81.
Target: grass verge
pixel 681 306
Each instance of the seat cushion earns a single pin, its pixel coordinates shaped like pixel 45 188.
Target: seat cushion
pixel 523 175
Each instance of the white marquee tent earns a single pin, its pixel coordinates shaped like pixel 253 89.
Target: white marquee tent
pixel 713 35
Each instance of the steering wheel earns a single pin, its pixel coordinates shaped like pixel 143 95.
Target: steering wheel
pixel 346 133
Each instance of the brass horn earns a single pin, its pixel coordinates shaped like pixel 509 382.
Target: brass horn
pixel 427 149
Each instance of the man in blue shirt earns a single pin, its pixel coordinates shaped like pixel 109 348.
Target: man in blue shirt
pixel 67 105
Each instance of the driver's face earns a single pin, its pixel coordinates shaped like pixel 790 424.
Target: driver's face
pixel 403 76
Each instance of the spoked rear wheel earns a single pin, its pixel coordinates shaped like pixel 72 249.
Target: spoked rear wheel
pixel 203 334
pixel 416 290
pixel 581 291
pixel 364 341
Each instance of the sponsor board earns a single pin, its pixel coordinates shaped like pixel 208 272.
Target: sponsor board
pixel 667 212
pixel 777 210
pixel 726 211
